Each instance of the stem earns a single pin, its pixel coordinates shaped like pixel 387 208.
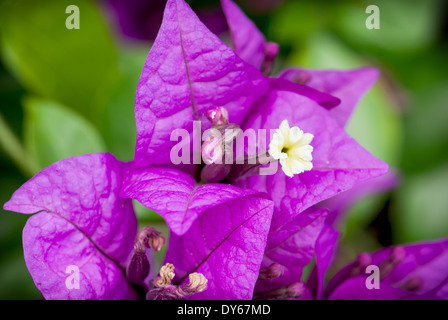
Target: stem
pixel 14 149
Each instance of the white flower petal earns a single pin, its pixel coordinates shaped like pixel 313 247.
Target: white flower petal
pixel 286 168
pixel 292 147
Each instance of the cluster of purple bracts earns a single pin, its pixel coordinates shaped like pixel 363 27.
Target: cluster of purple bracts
pixel 242 236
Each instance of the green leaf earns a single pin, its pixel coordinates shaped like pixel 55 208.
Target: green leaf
pixel 12 147
pixel 405 25
pixel 145 215
pixel 54 132
pixel 324 50
pixel 294 21
pixel 73 67
pixel 421 207
pixel 426 143
pixel 376 125
pixel 118 123
pixel 15 280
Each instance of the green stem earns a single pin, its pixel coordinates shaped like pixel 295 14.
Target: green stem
pixel 14 149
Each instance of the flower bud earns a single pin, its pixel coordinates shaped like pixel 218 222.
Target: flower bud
pixel 215 172
pixel 397 255
pixel 213 150
pixel 270 53
pixel 218 116
pixel 395 258
pixel 302 77
pixel 150 238
pixel 415 283
pixel 362 262
pixel 274 271
pixel 138 267
pixel 294 290
pixel 217 152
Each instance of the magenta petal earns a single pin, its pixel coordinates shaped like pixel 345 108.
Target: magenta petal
pixel 427 261
pixel 348 85
pixel 292 245
pixel 324 99
pixel 176 196
pixel 339 162
pixel 187 72
pixel 340 204
pixel 52 244
pixel 248 42
pixel 80 221
pixel 326 246
pixel 355 289
pixel 225 244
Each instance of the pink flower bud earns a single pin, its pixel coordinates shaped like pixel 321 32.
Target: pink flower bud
pixel 218 116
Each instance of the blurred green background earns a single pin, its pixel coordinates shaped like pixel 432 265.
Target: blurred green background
pixel 70 92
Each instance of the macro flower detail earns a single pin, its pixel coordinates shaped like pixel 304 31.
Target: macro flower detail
pixel 234 234
pixel 292 147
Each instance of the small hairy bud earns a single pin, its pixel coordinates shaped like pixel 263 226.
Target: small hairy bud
pixel 274 271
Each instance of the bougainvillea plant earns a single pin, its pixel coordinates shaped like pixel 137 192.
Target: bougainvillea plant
pixel 235 232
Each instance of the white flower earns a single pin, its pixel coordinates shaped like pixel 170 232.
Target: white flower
pixel 292 147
